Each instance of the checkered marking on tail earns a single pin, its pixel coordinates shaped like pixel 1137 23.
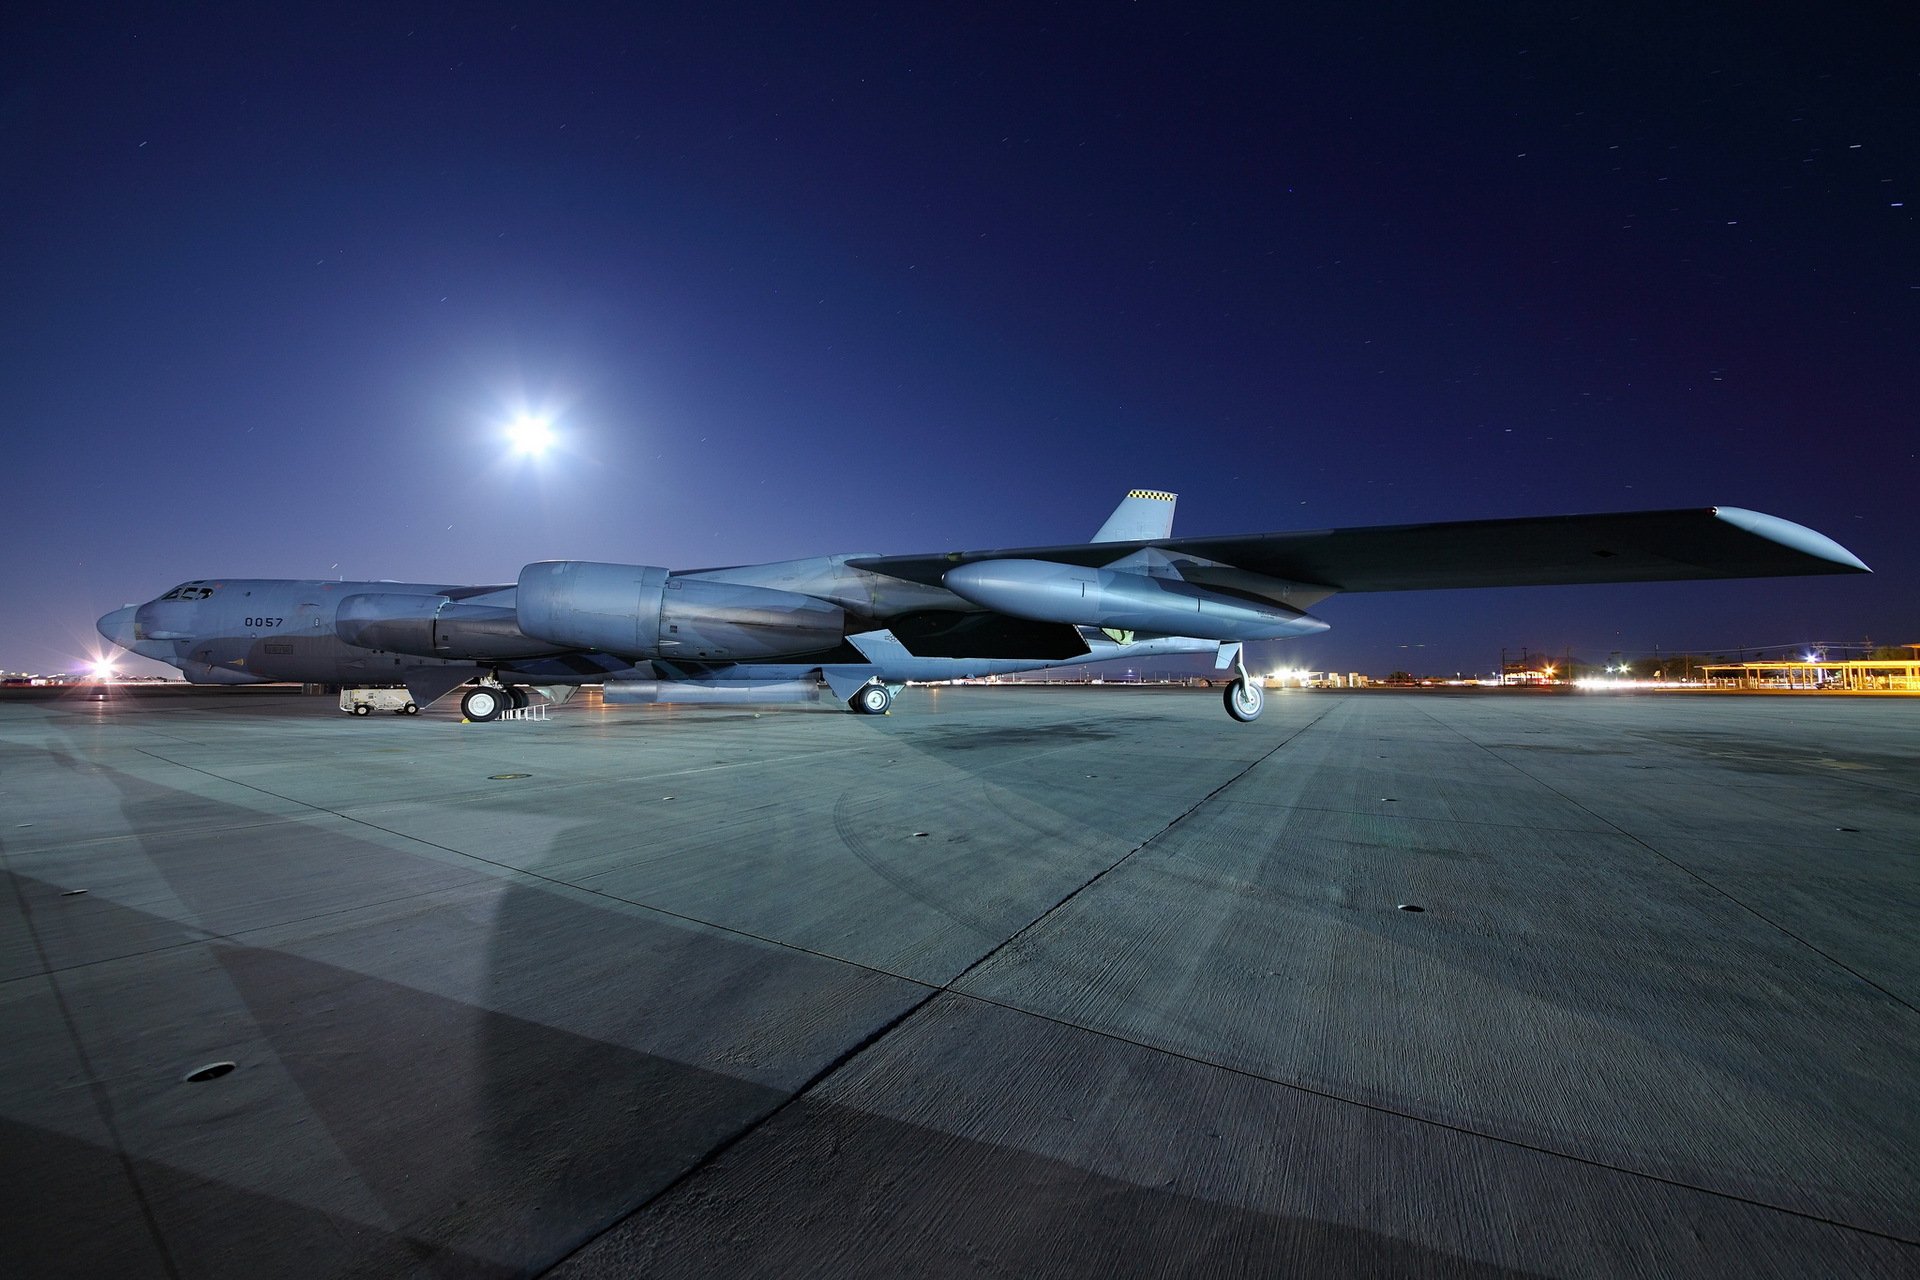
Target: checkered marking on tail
pixel 1156 494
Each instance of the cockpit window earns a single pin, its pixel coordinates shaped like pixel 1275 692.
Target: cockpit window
pixel 191 591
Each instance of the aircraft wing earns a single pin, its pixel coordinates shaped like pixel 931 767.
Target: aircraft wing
pixel 1633 546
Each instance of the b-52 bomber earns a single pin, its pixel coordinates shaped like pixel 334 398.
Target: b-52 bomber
pixel 862 626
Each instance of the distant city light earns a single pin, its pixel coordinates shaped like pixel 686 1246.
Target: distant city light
pixel 530 436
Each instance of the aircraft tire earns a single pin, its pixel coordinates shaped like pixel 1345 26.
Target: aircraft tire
pixel 871 700
pixel 520 697
pixel 1245 701
pixel 482 704
pixel 362 709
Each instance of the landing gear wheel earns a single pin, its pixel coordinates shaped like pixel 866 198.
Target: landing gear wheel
pixel 871 700
pixel 519 696
pixel 1245 700
pixel 410 710
pixel 483 704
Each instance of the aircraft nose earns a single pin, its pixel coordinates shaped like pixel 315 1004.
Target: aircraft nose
pixel 118 626
pixel 158 620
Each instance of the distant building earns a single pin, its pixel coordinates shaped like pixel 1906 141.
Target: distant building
pixel 1858 675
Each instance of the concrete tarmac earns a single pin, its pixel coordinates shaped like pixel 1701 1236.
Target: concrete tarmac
pixel 1010 982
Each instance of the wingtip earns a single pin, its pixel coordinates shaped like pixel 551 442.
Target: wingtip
pixel 1807 541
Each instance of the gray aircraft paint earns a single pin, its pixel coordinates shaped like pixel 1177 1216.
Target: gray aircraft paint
pixel 849 621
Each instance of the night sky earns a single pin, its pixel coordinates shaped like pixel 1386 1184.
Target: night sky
pixel 793 280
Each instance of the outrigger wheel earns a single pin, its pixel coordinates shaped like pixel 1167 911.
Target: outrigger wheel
pixel 1245 699
pixel 483 703
pixel 871 700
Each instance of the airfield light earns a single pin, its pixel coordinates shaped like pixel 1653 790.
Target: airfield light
pixel 102 669
pixel 530 436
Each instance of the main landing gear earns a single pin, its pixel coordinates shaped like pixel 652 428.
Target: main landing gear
pixel 871 700
pixel 484 702
pixel 1245 699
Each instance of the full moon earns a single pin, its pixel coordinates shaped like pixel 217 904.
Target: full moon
pixel 530 436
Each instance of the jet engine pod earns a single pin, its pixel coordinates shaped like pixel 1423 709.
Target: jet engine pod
pixel 434 627
pixel 583 605
pixel 388 620
pixel 1045 591
pixel 640 611
pixel 731 621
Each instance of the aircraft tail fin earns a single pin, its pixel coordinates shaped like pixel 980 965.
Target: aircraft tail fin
pixel 1142 515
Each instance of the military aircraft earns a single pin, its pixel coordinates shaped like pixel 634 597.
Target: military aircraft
pixel 862 626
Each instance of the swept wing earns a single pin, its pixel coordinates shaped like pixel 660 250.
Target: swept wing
pixel 1634 546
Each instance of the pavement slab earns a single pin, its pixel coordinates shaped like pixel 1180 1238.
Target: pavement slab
pixel 977 1140
pixel 1012 981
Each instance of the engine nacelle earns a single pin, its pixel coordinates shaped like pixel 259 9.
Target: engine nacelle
pixel 641 611
pixel 1045 591
pixel 434 627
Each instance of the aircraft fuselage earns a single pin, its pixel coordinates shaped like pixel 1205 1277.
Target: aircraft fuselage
pixel 250 630
pixel 863 625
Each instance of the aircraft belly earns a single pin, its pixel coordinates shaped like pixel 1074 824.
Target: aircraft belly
pixel 972 635
pixel 892 661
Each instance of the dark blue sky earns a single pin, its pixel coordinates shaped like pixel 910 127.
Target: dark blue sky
pixel 807 279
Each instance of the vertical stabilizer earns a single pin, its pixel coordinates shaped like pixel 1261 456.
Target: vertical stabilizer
pixel 1141 515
